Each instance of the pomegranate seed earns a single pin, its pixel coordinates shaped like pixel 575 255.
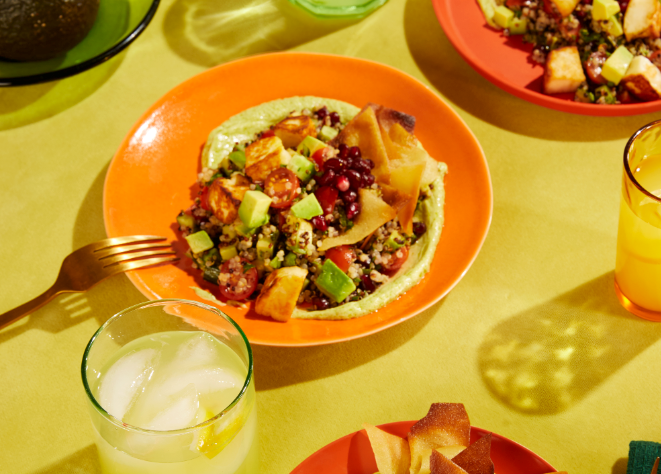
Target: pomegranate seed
pixel 419 228
pixel 334 164
pixel 344 150
pixel 368 180
pixel 341 183
pixel 326 197
pixel 349 196
pixel 361 166
pixel 354 152
pixel 355 179
pixel 353 210
pixel 319 223
pixel 321 303
pixel 370 163
pixel 326 178
pixel 334 118
pixel 322 113
pixel 368 285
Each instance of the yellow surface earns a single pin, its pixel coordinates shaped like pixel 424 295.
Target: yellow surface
pixel 532 340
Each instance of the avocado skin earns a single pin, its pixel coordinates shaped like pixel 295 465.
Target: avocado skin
pixel 36 30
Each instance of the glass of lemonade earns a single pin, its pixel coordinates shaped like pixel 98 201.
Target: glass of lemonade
pixel 638 260
pixel 349 9
pixel 171 390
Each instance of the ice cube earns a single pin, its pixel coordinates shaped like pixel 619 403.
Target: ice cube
pixel 121 383
pixel 198 351
pixel 206 379
pixel 180 412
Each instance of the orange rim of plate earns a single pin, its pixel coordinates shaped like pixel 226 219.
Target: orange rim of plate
pixel 352 454
pixel 505 62
pixel 151 178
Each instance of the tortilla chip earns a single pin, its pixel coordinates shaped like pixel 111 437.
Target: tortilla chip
pixel 476 458
pixel 363 131
pixel 446 424
pixel 448 451
pixel 441 465
pixel 391 452
pixel 374 212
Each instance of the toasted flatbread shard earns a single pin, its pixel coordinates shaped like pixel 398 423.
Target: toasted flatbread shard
pixel 394 197
pixel 407 180
pixel 392 453
pixel 263 156
pixel 476 458
pixel 363 131
pixel 439 464
pixel 374 213
pixel 225 196
pixel 448 451
pixel 294 129
pixel 446 424
pixel 389 117
pixel 280 293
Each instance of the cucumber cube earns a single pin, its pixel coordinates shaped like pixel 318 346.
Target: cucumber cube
pixel 503 16
pixel 604 9
pixel 309 145
pixel 307 208
pixel 616 65
pixel 254 209
pixel 334 283
pixel 302 167
pixel 199 241
pixel 228 252
pixel 327 133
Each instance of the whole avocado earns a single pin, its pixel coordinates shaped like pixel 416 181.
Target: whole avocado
pixel 36 30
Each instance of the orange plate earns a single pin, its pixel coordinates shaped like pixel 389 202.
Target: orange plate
pixel 352 454
pixel 152 176
pixel 506 61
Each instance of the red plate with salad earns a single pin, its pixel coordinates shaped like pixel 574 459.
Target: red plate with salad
pixel 512 63
pixel 260 200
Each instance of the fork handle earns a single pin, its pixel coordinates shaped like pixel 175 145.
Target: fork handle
pixel 17 313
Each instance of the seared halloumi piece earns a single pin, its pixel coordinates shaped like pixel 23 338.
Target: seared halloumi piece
pixel 642 19
pixel 280 293
pixel 264 156
pixel 643 79
pixel 565 7
pixel 293 130
pixel 225 196
pixel 564 72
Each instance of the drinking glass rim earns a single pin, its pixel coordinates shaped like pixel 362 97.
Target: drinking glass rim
pixel 627 168
pixel 205 423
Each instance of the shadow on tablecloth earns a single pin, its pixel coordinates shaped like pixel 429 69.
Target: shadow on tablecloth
pixel 548 358
pixel 85 461
pixel 209 32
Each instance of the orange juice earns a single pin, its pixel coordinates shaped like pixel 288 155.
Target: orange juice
pixel 638 261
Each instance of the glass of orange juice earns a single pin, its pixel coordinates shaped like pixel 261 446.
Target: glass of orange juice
pixel 638 261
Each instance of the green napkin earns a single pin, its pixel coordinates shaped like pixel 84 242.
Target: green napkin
pixel 642 455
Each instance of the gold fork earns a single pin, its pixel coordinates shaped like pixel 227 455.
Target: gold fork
pixel 87 266
pixel 655 467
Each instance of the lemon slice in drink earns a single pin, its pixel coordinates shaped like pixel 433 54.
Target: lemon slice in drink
pixel 213 438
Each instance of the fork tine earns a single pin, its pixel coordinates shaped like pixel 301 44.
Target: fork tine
pixel 135 264
pixel 116 259
pixel 110 251
pixel 128 239
pixel 655 467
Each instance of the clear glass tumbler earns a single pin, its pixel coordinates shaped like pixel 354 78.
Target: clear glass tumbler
pixel 339 8
pixel 167 362
pixel 638 260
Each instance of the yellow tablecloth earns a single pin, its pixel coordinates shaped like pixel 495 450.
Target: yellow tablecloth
pixel 532 340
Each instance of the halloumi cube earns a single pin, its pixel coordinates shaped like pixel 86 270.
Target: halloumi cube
pixel 280 293
pixel 225 196
pixel 642 19
pixel 643 79
pixel 264 156
pixel 565 7
pixel 564 71
pixel 293 130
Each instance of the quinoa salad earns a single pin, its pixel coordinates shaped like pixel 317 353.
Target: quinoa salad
pixel 300 218
pixel 602 51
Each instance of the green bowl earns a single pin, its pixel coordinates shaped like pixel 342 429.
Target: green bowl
pixel 118 23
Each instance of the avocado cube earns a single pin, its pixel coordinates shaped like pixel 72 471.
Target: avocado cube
pixel 264 248
pixel 334 283
pixel 301 166
pixel 503 16
pixel 245 231
pixel 604 9
pixel 238 158
pixel 309 145
pixel 307 208
pixel 616 65
pixel 290 260
pixel 327 133
pixel 395 241
pixel 186 220
pixel 518 26
pixel 614 27
pixel 275 263
pixel 228 252
pixel 254 209
pixel 199 241
pixel 229 231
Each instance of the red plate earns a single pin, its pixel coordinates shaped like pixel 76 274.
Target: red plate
pixel 352 454
pixel 152 176
pixel 506 61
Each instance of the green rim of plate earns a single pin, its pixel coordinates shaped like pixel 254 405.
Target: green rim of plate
pixel 118 24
